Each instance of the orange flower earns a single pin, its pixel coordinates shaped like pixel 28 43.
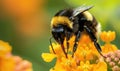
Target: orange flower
pixel 48 57
pixel 86 57
pixel 107 36
pixel 109 48
pixel 84 53
pixel 85 39
pixel 101 66
pixel 29 16
pixel 8 62
pixel 22 65
pixel 21 7
pixel 85 66
pixel 5 48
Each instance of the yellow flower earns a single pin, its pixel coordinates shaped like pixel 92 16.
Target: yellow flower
pixel 101 66
pixel 48 57
pixel 84 53
pixel 85 39
pixel 22 7
pixel 65 64
pixel 5 48
pixel 85 66
pixel 22 65
pixel 107 36
pixel 109 48
pixel 8 62
pixel 86 57
pixel 57 49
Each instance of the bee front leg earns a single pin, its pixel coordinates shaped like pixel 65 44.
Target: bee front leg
pixel 68 35
pixel 76 42
pixel 52 45
pixel 62 46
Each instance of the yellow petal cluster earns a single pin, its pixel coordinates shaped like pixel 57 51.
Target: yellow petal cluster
pixel 86 57
pixel 108 37
pixel 48 57
pixel 8 62
pixel 5 48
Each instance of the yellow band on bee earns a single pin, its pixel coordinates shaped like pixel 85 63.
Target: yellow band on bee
pixel 61 20
pixel 88 15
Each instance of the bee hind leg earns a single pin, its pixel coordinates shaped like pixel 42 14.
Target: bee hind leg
pixel 94 39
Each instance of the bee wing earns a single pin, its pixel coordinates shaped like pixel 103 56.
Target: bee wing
pixel 81 9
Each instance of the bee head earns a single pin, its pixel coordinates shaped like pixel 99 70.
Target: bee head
pixel 58 33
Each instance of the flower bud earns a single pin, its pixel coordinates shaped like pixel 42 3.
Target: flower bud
pixel 116 59
pixel 112 56
pixel 108 59
pixel 119 63
pixel 111 64
pixel 116 68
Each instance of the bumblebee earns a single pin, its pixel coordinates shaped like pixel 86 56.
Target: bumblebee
pixel 69 22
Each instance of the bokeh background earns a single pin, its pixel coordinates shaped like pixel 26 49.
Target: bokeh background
pixel 25 24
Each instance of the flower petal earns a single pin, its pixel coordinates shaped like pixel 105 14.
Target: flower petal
pixel 48 57
pixel 101 66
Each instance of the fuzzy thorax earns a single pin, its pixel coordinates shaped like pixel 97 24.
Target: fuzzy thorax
pixel 61 20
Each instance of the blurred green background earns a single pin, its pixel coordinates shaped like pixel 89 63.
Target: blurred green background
pixel 25 24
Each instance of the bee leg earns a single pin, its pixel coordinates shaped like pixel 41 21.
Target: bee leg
pixel 63 48
pixel 93 38
pixel 76 42
pixel 67 46
pixel 67 38
pixel 51 45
